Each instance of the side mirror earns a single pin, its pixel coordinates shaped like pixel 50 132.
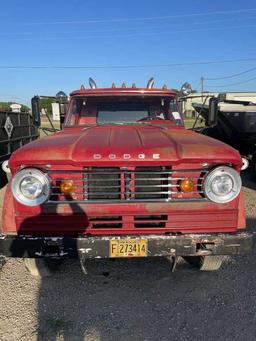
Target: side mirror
pixel 35 105
pixel 212 116
pixel 186 89
pixel 62 99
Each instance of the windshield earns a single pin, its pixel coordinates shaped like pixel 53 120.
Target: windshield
pixel 122 110
pixel 127 112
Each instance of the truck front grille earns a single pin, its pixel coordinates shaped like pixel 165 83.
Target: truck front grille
pixel 142 183
pixel 127 184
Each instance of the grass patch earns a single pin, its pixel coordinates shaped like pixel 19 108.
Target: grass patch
pixel 189 123
pixel 45 125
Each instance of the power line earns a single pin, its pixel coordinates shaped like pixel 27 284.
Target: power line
pixel 225 61
pixel 218 21
pixel 231 84
pixel 84 37
pixel 92 21
pixel 15 34
pixel 231 76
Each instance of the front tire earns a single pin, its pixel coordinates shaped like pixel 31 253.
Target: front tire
pixel 2 261
pixel 41 267
pixel 206 263
pixel 253 165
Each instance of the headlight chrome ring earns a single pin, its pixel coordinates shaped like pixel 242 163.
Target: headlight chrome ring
pixel 30 187
pixel 223 184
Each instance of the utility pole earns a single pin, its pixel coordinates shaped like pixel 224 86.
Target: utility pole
pixel 202 86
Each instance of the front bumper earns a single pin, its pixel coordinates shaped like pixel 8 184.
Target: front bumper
pixel 98 246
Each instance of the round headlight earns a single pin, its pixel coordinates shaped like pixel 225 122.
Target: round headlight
pixel 223 184
pixel 30 187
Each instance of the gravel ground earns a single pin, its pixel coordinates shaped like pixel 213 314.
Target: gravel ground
pixel 132 299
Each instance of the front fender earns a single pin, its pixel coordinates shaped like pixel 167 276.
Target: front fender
pixel 8 225
pixel 241 223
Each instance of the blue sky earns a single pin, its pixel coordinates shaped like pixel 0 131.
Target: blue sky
pixel 111 33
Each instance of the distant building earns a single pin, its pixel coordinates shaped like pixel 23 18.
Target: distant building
pixel 43 112
pixel 15 107
pixel 239 96
pixel 197 97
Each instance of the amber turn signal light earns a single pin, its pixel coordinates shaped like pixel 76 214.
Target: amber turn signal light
pixel 187 185
pixel 67 187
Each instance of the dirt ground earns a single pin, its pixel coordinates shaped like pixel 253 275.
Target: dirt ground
pixel 132 299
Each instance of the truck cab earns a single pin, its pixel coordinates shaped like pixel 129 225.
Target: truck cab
pixel 124 178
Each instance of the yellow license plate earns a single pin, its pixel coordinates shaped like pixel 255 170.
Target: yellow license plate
pixel 128 248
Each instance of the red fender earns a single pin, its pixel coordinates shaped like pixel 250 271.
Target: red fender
pixel 8 214
pixel 241 219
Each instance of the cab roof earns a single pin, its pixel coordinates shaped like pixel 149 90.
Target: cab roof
pixel 123 91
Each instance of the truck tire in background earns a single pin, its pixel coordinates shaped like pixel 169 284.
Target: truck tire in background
pixel 3 177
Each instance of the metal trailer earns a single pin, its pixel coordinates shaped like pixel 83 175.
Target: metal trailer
pixel 235 125
pixel 16 130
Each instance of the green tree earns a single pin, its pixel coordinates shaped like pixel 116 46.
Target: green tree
pixel 5 106
pixel 46 103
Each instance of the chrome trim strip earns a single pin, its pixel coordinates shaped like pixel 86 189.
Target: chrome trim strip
pixel 109 202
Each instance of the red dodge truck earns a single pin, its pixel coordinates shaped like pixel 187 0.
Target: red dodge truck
pixel 124 178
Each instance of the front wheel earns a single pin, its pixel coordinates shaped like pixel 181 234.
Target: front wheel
pixel 253 165
pixel 206 263
pixel 2 261
pixel 42 267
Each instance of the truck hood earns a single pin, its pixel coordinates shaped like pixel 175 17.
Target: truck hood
pixel 89 145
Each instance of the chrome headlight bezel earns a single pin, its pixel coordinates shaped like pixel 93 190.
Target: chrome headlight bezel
pixel 220 171
pixel 38 175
